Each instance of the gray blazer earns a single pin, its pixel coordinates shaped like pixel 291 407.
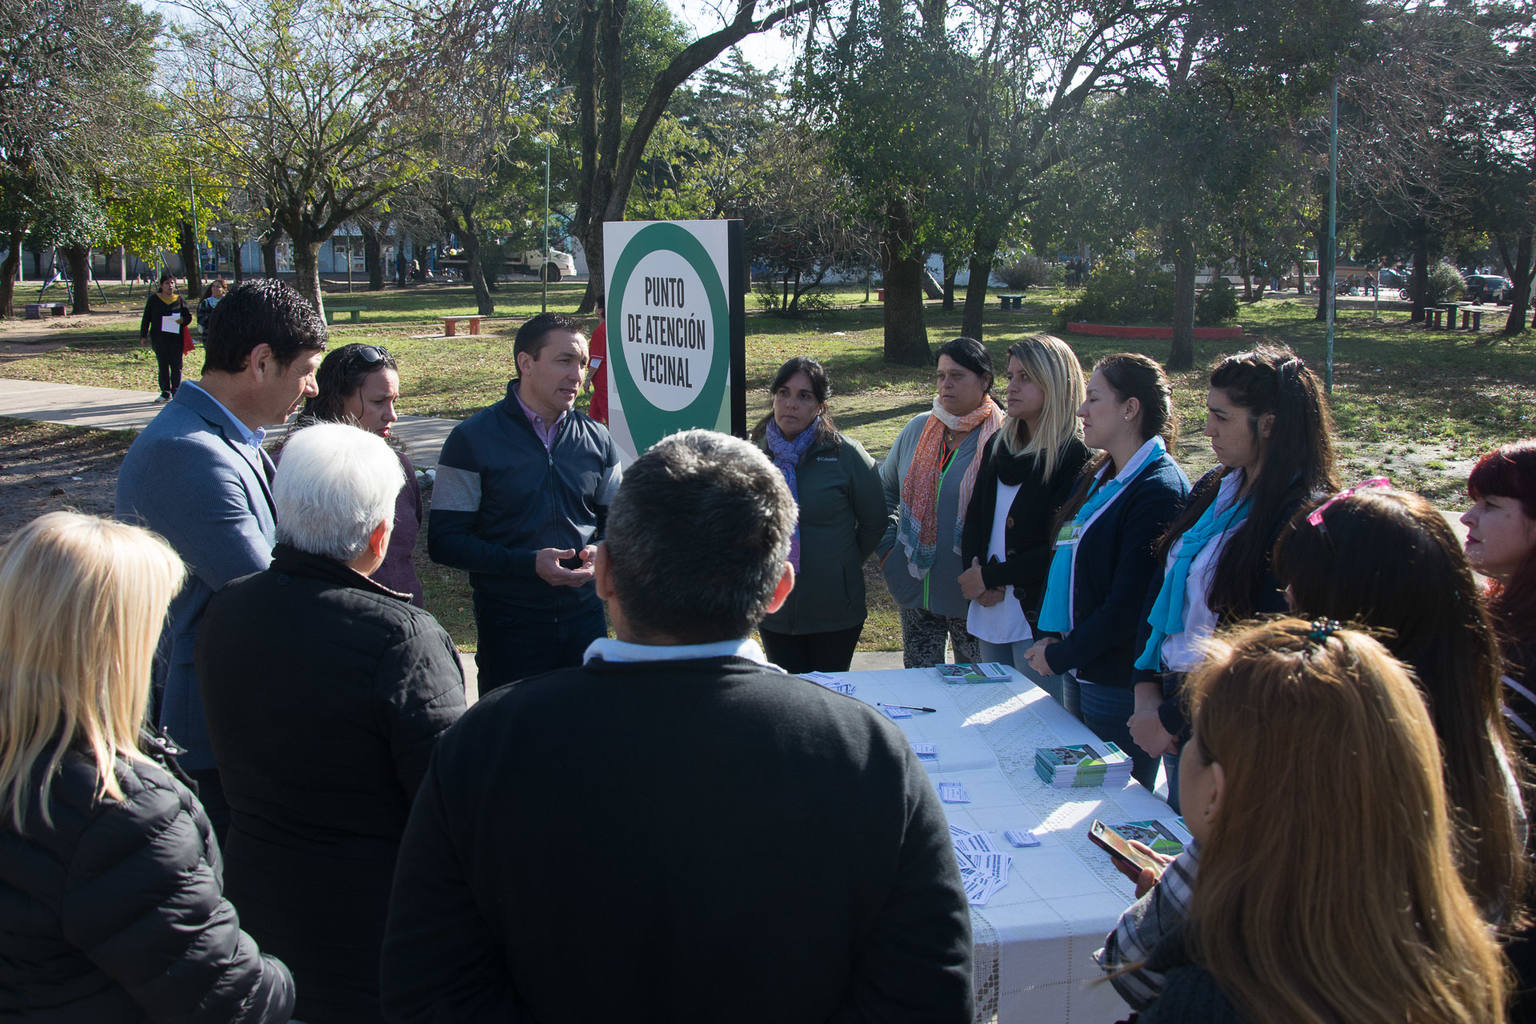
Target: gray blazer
pixel 191 479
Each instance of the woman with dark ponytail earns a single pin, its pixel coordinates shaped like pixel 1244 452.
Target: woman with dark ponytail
pixel 1104 557
pixel 1271 431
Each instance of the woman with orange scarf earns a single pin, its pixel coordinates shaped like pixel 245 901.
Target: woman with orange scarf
pixel 928 478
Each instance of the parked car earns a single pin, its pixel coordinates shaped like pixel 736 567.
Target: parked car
pixel 532 261
pixel 1490 288
pixel 1386 277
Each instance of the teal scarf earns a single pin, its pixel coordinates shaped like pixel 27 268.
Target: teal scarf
pixel 1167 618
pixel 1056 608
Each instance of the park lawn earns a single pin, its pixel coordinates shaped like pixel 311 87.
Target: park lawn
pixel 1416 405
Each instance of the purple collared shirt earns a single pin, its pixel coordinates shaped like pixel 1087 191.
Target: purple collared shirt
pixel 545 431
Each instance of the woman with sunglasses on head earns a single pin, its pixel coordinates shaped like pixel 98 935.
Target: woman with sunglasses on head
pixel 1388 560
pixel 1104 558
pixel 928 479
pixel 1327 888
pixel 1271 432
pixel 112 903
pixel 842 518
pixel 359 384
pixel 1027 473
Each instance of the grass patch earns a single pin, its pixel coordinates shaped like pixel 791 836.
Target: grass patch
pixel 1419 404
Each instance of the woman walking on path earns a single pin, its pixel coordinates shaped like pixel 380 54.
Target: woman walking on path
pixel 842 518
pixel 1027 474
pixel 165 314
pixel 928 479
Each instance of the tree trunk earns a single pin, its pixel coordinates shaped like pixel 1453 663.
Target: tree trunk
pixel 373 255
pixel 906 335
pixel 1182 354
pixel 306 266
pixel 950 273
pixel 976 296
pixel 79 259
pixel 470 239
pixel 1242 255
pixel 1301 277
pixel 190 264
pixel 1418 285
pixel 1522 276
pixel 236 256
pixel 8 277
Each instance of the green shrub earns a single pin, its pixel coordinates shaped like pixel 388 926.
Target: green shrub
pixel 1445 284
pixel 1030 270
pixel 1216 304
pixel 1123 290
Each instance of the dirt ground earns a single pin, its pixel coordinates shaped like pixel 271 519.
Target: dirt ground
pixel 44 467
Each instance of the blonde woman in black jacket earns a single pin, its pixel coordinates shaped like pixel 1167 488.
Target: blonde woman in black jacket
pixel 111 894
pixel 1027 473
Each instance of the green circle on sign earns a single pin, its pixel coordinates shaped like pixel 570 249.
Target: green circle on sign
pixel 648 424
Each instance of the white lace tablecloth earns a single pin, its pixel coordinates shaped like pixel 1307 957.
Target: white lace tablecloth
pixel 1035 938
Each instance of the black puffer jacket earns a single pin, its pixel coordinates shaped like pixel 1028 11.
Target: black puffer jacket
pixel 116 912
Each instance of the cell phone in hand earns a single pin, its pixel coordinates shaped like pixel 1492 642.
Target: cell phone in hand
pixel 1127 859
pixel 574 562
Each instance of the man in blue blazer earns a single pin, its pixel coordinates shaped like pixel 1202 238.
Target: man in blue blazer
pixel 198 476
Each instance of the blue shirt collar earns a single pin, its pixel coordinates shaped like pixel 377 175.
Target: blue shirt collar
pixel 245 433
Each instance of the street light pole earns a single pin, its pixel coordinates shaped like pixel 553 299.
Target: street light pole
pixel 549 104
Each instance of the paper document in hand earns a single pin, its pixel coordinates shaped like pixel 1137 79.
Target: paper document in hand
pixel 171 324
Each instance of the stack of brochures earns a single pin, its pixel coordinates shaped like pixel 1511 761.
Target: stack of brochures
pixel 1083 764
pixel 981 672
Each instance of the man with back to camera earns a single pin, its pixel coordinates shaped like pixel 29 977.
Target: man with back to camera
pixel 324 730
pixel 676 830
pixel 522 490
pixel 198 477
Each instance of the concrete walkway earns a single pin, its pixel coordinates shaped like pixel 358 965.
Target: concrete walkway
pixel 111 409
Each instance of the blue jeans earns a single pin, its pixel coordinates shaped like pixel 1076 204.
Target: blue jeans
pixel 515 643
pixel 1013 654
pixel 1106 710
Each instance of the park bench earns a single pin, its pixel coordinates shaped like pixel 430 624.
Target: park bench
pixel 450 324
pixel 35 309
pixel 1432 315
pixel 1011 301
pixel 356 312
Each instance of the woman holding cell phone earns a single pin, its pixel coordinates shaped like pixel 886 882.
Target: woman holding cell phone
pixel 1271 432
pixel 1104 555
pixel 1327 889
pixel 1027 473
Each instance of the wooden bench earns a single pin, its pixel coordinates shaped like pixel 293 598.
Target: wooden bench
pixel 355 311
pixel 1432 315
pixel 450 324
pixel 1011 301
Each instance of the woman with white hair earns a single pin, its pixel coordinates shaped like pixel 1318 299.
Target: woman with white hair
pixel 111 901
pixel 325 693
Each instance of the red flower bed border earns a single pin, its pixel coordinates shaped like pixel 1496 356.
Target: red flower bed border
pixel 1120 331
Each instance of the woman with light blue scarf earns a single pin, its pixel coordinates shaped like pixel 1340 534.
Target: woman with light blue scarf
pixel 1271 432
pixel 1104 560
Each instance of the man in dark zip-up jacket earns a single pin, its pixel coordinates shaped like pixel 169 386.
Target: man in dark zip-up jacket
pixel 522 490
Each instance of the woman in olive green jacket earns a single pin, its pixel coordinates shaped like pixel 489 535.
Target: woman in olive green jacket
pixel 842 518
